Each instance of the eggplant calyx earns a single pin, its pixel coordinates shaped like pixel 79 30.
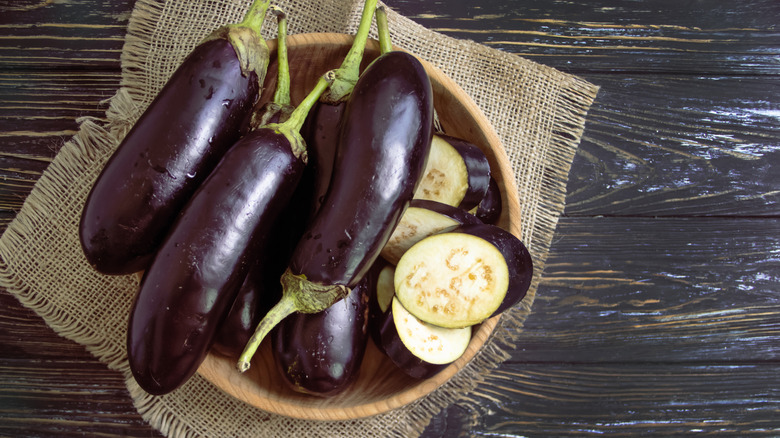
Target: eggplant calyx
pixel 251 48
pixel 291 128
pixel 298 295
pixel 349 71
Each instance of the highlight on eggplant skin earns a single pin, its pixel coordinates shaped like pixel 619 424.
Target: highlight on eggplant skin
pixel 380 159
pixel 194 278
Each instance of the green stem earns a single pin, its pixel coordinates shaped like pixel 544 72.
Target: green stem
pixel 349 71
pixel 298 116
pixel 298 295
pixel 385 42
pixel 282 93
pixel 256 14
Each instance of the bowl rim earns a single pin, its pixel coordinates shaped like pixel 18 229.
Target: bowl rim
pixel 221 371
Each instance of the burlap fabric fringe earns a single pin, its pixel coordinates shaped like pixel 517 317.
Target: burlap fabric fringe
pixel 538 112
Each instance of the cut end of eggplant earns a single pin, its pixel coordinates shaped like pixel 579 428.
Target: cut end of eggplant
pixel 446 178
pixel 432 344
pixel 452 279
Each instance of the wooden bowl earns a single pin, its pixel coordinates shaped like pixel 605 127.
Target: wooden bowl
pixel 380 387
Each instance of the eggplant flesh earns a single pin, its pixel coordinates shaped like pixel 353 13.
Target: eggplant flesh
pixel 419 349
pixel 165 156
pixel 383 147
pixel 457 173
pixel 321 353
pixel 421 219
pixel 193 280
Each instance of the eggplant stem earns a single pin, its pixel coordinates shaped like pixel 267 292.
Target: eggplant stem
pixel 349 71
pixel 282 93
pixel 385 41
pixel 298 295
pixel 291 128
pixel 256 14
pixel 282 309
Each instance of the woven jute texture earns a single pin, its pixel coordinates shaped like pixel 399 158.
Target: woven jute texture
pixel 538 112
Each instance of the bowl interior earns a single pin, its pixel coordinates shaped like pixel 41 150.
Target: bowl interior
pixel 380 386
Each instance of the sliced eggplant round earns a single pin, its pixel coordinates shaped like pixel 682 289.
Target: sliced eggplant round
pixel 463 276
pixel 489 209
pixel 457 173
pixel 420 349
pixel 422 219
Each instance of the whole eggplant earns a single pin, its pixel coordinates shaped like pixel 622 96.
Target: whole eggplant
pixel 173 146
pixel 322 126
pixel 260 289
pixel 383 147
pixel 194 277
pixel 320 353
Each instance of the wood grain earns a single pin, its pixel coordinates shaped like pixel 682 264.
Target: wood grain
pixel 658 313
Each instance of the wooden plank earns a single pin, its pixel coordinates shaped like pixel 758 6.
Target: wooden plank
pixel 578 400
pixel 52 387
pixel 39 112
pixel 679 145
pixel 66 34
pixel 578 36
pixel 633 290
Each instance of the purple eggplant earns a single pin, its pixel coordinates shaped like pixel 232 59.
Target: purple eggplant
pixel 458 173
pixel 172 148
pixel 193 279
pixel 422 219
pixel 379 282
pixel 320 353
pixel 419 349
pixel 464 275
pixel 383 147
pixel 260 289
pixel 321 129
pixel 489 208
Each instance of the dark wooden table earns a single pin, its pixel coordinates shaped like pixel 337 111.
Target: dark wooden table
pixel 659 313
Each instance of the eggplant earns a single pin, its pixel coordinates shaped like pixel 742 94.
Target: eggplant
pixel 420 349
pixel 194 119
pixel 321 128
pixel 321 353
pixel 194 277
pixel 258 293
pixel 489 208
pixel 463 276
pixel 422 219
pixel 260 289
pixel 458 173
pixel 383 146
pixel 379 281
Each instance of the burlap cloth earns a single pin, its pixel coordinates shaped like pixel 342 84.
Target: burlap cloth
pixel 538 112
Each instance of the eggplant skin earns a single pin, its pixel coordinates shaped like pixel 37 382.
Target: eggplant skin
pixel 194 278
pixel 489 209
pixel 382 151
pixel 321 131
pixel 165 156
pixel 258 294
pixel 518 260
pixel 321 353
